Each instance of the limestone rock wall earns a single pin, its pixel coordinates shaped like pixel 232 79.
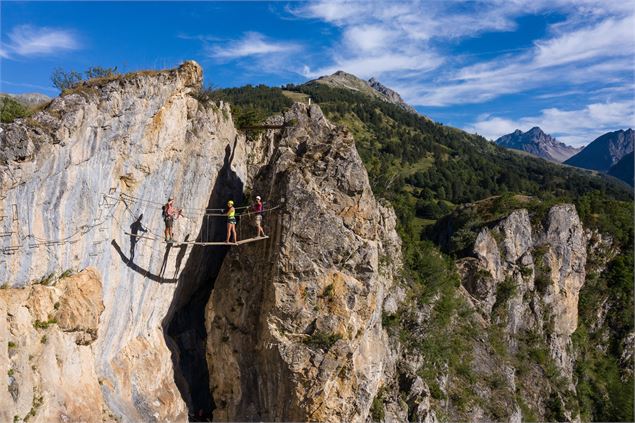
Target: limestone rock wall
pixel 48 335
pixel 78 175
pixel 294 323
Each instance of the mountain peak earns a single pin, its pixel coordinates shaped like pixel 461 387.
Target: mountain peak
pixel 605 151
pixel 372 87
pixel 537 142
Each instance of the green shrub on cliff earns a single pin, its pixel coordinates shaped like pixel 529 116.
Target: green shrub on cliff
pixel 11 110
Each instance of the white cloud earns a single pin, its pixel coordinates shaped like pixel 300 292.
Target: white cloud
pixel 609 38
pixel 28 40
pixel 331 11
pixel 251 44
pixel 603 53
pixel 368 38
pixel 573 127
pixel 403 44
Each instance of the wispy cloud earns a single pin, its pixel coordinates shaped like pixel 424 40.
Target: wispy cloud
pixel 405 44
pixel 574 127
pixel 610 38
pixel 28 40
pixel 603 52
pixel 251 44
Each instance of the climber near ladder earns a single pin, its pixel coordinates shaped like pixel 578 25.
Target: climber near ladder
pixel 231 222
pixel 170 214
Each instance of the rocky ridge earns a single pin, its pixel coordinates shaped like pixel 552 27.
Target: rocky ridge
pixel 536 142
pixel 372 88
pixel 314 320
pixel 605 151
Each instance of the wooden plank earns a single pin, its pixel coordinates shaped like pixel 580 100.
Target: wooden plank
pixel 241 242
pixel 247 241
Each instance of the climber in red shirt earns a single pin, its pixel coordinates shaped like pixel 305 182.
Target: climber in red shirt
pixel 258 209
pixel 170 214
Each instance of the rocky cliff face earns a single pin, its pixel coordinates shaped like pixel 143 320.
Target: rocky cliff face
pixel 49 333
pixel 544 267
pixel 294 324
pixel 524 282
pixel 536 142
pixel 96 165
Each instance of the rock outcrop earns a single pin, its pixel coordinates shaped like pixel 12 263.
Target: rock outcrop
pixel 294 325
pixel 81 185
pixel 95 164
pixel 544 267
pixel 391 96
pixel 48 334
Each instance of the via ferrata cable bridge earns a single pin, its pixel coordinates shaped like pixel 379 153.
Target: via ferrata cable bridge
pixel 107 212
pixel 210 218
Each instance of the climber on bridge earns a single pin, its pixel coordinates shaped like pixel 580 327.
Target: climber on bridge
pixel 170 214
pixel 231 222
pixel 258 209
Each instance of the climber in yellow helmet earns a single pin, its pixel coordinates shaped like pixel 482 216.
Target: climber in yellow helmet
pixel 231 222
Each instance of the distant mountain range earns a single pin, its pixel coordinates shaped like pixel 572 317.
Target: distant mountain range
pixel 28 99
pixel 372 88
pixel 536 142
pixel 605 151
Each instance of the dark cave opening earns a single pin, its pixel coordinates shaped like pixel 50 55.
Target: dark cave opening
pixel 184 326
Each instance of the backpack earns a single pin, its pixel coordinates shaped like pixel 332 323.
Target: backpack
pixel 164 211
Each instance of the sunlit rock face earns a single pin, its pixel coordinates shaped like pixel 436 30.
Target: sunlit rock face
pixel 94 164
pixel 294 323
pixel 48 338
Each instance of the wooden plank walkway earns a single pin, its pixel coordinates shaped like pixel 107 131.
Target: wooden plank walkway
pixel 240 242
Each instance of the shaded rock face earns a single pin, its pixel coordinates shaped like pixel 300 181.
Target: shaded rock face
pixel 294 323
pixel 605 151
pixel 624 169
pixel 48 336
pixel 536 142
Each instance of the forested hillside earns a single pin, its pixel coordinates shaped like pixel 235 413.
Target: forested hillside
pixel 446 185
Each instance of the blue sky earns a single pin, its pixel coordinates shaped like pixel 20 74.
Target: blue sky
pixel 484 66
